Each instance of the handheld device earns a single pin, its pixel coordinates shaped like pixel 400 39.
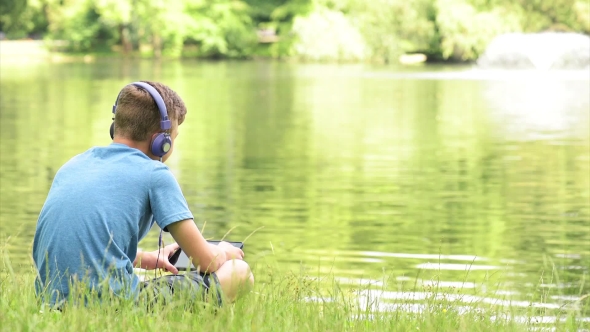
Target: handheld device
pixel 182 262
pixel 240 245
pixel 174 258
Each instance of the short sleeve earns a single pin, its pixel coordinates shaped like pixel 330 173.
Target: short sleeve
pixel 166 199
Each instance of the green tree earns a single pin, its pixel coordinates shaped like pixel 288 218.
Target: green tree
pixel 387 28
pixel 465 31
pixel 560 15
pixel 261 10
pixel 76 22
pixel 164 25
pixel 21 18
pixel 10 12
pixel 339 38
pixel 118 16
pixel 220 28
pixel 394 27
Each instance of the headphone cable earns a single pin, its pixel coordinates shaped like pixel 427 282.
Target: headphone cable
pixel 158 257
pixel 159 248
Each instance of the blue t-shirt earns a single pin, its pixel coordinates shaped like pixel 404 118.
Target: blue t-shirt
pixel 100 205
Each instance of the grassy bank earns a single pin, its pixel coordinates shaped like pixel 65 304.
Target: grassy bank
pixel 287 301
pixel 37 51
pixel 25 51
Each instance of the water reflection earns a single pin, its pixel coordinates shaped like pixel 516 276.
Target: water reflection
pixel 420 302
pixel 541 108
pixel 455 267
pixel 374 296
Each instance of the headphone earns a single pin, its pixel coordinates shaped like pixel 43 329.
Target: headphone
pixel 161 143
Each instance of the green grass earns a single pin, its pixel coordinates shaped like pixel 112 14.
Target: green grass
pixel 280 301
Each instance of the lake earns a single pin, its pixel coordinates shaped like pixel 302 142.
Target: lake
pixel 379 176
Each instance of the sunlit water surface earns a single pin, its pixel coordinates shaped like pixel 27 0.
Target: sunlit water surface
pixel 396 181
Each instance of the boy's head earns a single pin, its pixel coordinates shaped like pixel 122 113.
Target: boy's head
pixel 137 117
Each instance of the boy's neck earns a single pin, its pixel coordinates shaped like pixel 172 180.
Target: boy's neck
pixel 141 146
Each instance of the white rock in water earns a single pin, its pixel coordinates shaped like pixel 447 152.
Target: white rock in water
pixel 548 50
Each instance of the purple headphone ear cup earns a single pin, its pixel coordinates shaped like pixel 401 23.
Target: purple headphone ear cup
pixel 161 144
pixel 112 130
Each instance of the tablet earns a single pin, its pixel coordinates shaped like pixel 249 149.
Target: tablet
pixel 235 244
pixel 181 261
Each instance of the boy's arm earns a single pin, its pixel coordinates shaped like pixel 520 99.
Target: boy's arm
pixel 207 257
pixel 149 260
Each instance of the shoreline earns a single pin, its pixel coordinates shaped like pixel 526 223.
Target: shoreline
pixel 26 51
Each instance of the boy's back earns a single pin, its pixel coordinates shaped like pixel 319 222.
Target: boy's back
pixel 105 200
pixel 100 206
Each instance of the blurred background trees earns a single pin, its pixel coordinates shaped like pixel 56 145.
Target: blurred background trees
pixel 324 30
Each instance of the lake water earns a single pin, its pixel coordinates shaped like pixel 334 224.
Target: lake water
pixel 375 175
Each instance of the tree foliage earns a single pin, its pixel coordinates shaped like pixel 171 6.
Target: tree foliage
pixel 220 27
pixel 395 27
pixel 10 12
pixel 380 30
pixel 466 31
pixel 21 18
pixel 338 38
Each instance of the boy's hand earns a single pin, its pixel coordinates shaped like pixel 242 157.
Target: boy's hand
pixel 230 251
pixel 165 254
pixel 148 260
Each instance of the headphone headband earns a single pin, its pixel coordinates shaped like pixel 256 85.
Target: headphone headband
pixel 161 143
pixel 164 122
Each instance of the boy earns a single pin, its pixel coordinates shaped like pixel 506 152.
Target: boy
pixel 104 201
